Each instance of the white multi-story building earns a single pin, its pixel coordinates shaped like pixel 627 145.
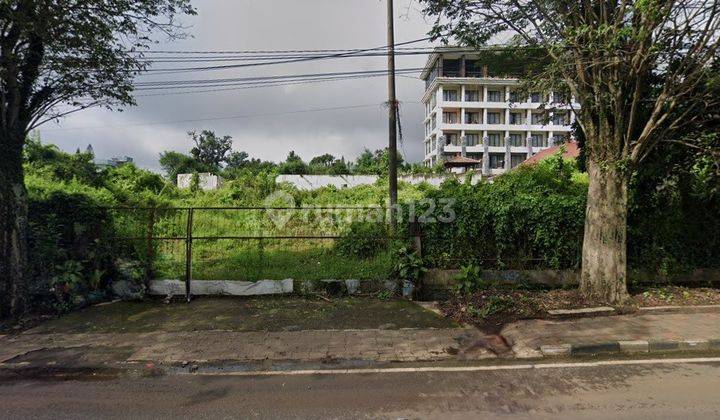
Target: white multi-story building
pixel 474 118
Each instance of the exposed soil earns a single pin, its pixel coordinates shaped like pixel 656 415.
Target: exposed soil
pixel 247 314
pixel 677 296
pixel 490 310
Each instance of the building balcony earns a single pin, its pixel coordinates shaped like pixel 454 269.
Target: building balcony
pixel 504 127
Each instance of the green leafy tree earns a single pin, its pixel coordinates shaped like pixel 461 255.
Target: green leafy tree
pixel 375 163
pixel 210 150
pixel 327 164
pixel 59 165
pixel 174 163
pixel 293 165
pixel 639 70
pixel 58 57
pixel 339 167
pixel 236 160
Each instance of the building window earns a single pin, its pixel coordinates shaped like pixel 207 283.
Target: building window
pixel 450 95
pixel 516 159
pixel 452 139
pixel 472 139
pixel 517 140
pixel 472 118
pixel 514 96
pixel 472 96
pixel 495 140
pixel 494 96
pixel 536 97
pixel 497 161
pixel 493 118
pixel 561 118
pixel 559 98
pixel 451 68
pixel 517 118
pixel 450 117
pixel 538 118
pixel 538 140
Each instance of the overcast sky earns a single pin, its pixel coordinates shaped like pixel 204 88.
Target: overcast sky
pixel 142 132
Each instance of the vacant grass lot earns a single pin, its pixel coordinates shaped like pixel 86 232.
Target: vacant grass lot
pixel 250 261
pixel 255 257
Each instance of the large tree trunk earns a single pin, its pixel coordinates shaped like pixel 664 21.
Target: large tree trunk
pixel 604 253
pixel 13 227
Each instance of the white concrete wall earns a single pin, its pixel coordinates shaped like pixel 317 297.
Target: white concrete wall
pixel 208 182
pixel 312 182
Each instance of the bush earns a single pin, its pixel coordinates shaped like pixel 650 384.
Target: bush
pixel 531 217
pixel 362 240
pixel 71 253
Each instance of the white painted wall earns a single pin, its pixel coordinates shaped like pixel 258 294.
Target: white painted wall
pixel 312 182
pixel 208 181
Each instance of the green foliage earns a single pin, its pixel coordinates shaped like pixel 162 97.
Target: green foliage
pixel 530 217
pixel 469 280
pixel 327 164
pixel 210 150
pixel 493 305
pixel 70 246
pixel 408 264
pixel 174 163
pixel 674 212
pixel 375 163
pixel 362 239
pixel 58 165
pixel 293 165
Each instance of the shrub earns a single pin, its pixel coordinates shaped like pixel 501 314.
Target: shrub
pixel 362 240
pixel 530 217
pixel 408 264
pixel 71 253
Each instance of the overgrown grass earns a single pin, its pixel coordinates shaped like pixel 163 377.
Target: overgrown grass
pixel 259 260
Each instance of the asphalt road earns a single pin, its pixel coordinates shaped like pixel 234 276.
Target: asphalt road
pixel 683 390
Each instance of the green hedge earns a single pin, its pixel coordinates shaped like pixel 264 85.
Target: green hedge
pixel 531 217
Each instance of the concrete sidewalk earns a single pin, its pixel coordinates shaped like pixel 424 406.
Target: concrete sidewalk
pixel 622 333
pixel 220 346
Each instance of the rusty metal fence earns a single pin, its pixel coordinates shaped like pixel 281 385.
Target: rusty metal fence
pixel 242 243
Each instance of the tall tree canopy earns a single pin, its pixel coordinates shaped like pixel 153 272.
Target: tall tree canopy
pixel 58 57
pixel 210 150
pixel 640 71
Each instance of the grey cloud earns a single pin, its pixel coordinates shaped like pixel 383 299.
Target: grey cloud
pixel 271 24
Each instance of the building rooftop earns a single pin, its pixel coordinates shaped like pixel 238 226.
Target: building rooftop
pixel 572 151
pixel 461 162
pixel 496 61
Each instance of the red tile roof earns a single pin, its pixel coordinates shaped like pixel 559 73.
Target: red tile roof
pixel 571 151
pixel 461 161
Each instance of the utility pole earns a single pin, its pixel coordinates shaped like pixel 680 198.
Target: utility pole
pixel 392 117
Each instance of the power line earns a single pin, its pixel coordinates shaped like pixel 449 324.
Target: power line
pixel 232 117
pixel 398 45
pixel 260 79
pixel 264 85
pixel 287 61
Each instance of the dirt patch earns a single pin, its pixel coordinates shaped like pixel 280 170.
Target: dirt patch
pixel 491 309
pixel 677 296
pixel 247 314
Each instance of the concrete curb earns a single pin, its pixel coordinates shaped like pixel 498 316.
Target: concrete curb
pixel 630 347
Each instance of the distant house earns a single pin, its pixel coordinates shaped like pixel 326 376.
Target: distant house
pixel 114 162
pixel 206 181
